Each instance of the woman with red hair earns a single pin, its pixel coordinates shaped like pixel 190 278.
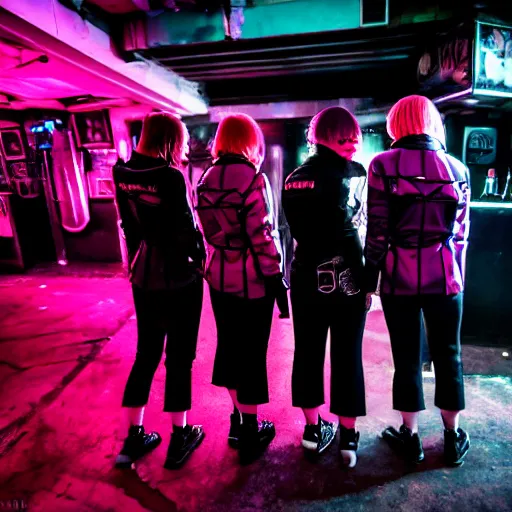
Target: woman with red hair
pixel 244 274
pixel 418 225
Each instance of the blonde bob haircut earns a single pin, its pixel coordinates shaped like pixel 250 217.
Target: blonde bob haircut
pixel 415 115
pixel 165 136
pixel 334 125
pixel 239 134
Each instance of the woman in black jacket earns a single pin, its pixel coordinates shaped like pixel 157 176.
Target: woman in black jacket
pixel 165 258
pixel 322 201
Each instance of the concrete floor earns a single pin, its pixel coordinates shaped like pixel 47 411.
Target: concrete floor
pixel 67 342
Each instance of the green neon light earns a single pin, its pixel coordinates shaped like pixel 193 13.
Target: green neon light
pixel 496 206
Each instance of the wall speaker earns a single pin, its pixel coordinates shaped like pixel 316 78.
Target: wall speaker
pixel 479 145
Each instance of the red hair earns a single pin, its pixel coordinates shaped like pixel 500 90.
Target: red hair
pixel 239 134
pixel 332 125
pixel 415 115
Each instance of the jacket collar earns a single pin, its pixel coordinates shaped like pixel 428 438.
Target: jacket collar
pixel 423 141
pixel 233 159
pixel 328 155
pixel 139 163
pixel 326 158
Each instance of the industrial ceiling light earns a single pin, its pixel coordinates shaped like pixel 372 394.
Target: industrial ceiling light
pixel 42 58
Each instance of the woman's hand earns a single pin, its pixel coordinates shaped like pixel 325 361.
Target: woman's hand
pixel 369 301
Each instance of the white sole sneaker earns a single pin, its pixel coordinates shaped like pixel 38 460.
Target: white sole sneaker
pixel 310 445
pixel 349 458
pixel 313 447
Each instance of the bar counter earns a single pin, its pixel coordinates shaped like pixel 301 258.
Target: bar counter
pixel 487 301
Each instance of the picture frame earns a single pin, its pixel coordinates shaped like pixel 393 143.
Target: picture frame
pixel 493 60
pixel 99 178
pixel 92 129
pixel 11 144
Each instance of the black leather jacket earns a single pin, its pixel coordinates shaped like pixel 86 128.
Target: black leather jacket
pixel 165 249
pixel 321 201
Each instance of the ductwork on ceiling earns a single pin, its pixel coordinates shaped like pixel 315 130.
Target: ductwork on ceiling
pixel 83 50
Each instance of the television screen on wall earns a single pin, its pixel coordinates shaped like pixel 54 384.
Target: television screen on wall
pixel 493 60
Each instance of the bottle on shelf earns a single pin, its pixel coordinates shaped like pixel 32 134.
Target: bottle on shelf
pixel 490 192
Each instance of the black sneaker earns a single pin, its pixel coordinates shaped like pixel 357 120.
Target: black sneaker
pixel 234 430
pixel 136 445
pixel 318 437
pixel 404 441
pixel 456 446
pixel 254 439
pixel 349 442
pixel 183 442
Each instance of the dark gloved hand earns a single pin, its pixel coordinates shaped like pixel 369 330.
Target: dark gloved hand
pixel 274 285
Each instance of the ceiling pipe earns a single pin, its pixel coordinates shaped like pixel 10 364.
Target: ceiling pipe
pixel 36 38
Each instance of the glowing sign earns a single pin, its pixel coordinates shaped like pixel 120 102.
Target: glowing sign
pixel 493 60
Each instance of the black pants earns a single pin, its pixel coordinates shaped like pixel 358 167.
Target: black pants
pixel 282 301
pixel 314 313
pixel 175 314
pixel 243 331
pixel 442 315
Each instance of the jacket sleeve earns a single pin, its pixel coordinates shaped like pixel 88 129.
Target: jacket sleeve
pixel 461 229
pixel 377 230
pixel 128 224
pixel 360 220
pixel 187 232
pixel 259 229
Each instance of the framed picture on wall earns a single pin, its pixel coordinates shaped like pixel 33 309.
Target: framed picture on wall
pixel 11 144
pixel 92 130
pixel 493 60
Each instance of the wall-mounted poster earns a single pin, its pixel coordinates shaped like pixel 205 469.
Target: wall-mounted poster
pixel 92 130
pixel 12 144
pixel 101 182
pixel 493 60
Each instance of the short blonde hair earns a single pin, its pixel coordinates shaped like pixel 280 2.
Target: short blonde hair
pixel 415 115
pixel 239 134
pixel 333 125
pixel 163 135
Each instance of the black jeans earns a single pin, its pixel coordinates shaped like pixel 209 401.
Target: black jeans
pixel 175 314
pixel 282 301
pixel 314 313
pixel 443 316
pixel 243 331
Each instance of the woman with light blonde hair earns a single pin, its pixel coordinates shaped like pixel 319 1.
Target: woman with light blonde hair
pixel 418 225
pixel 165 258
pixel 244 274
pixel 322 200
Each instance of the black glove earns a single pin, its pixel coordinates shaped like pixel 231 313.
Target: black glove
pixel 274 285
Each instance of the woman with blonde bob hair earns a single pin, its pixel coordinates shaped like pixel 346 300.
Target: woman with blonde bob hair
pixel 418 226
pixel 322 200
pixel 243 271
pixel 165 259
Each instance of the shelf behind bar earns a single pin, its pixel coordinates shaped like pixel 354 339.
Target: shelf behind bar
pixel 484 204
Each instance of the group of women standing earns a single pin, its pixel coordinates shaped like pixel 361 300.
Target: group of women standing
pixel 417 227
